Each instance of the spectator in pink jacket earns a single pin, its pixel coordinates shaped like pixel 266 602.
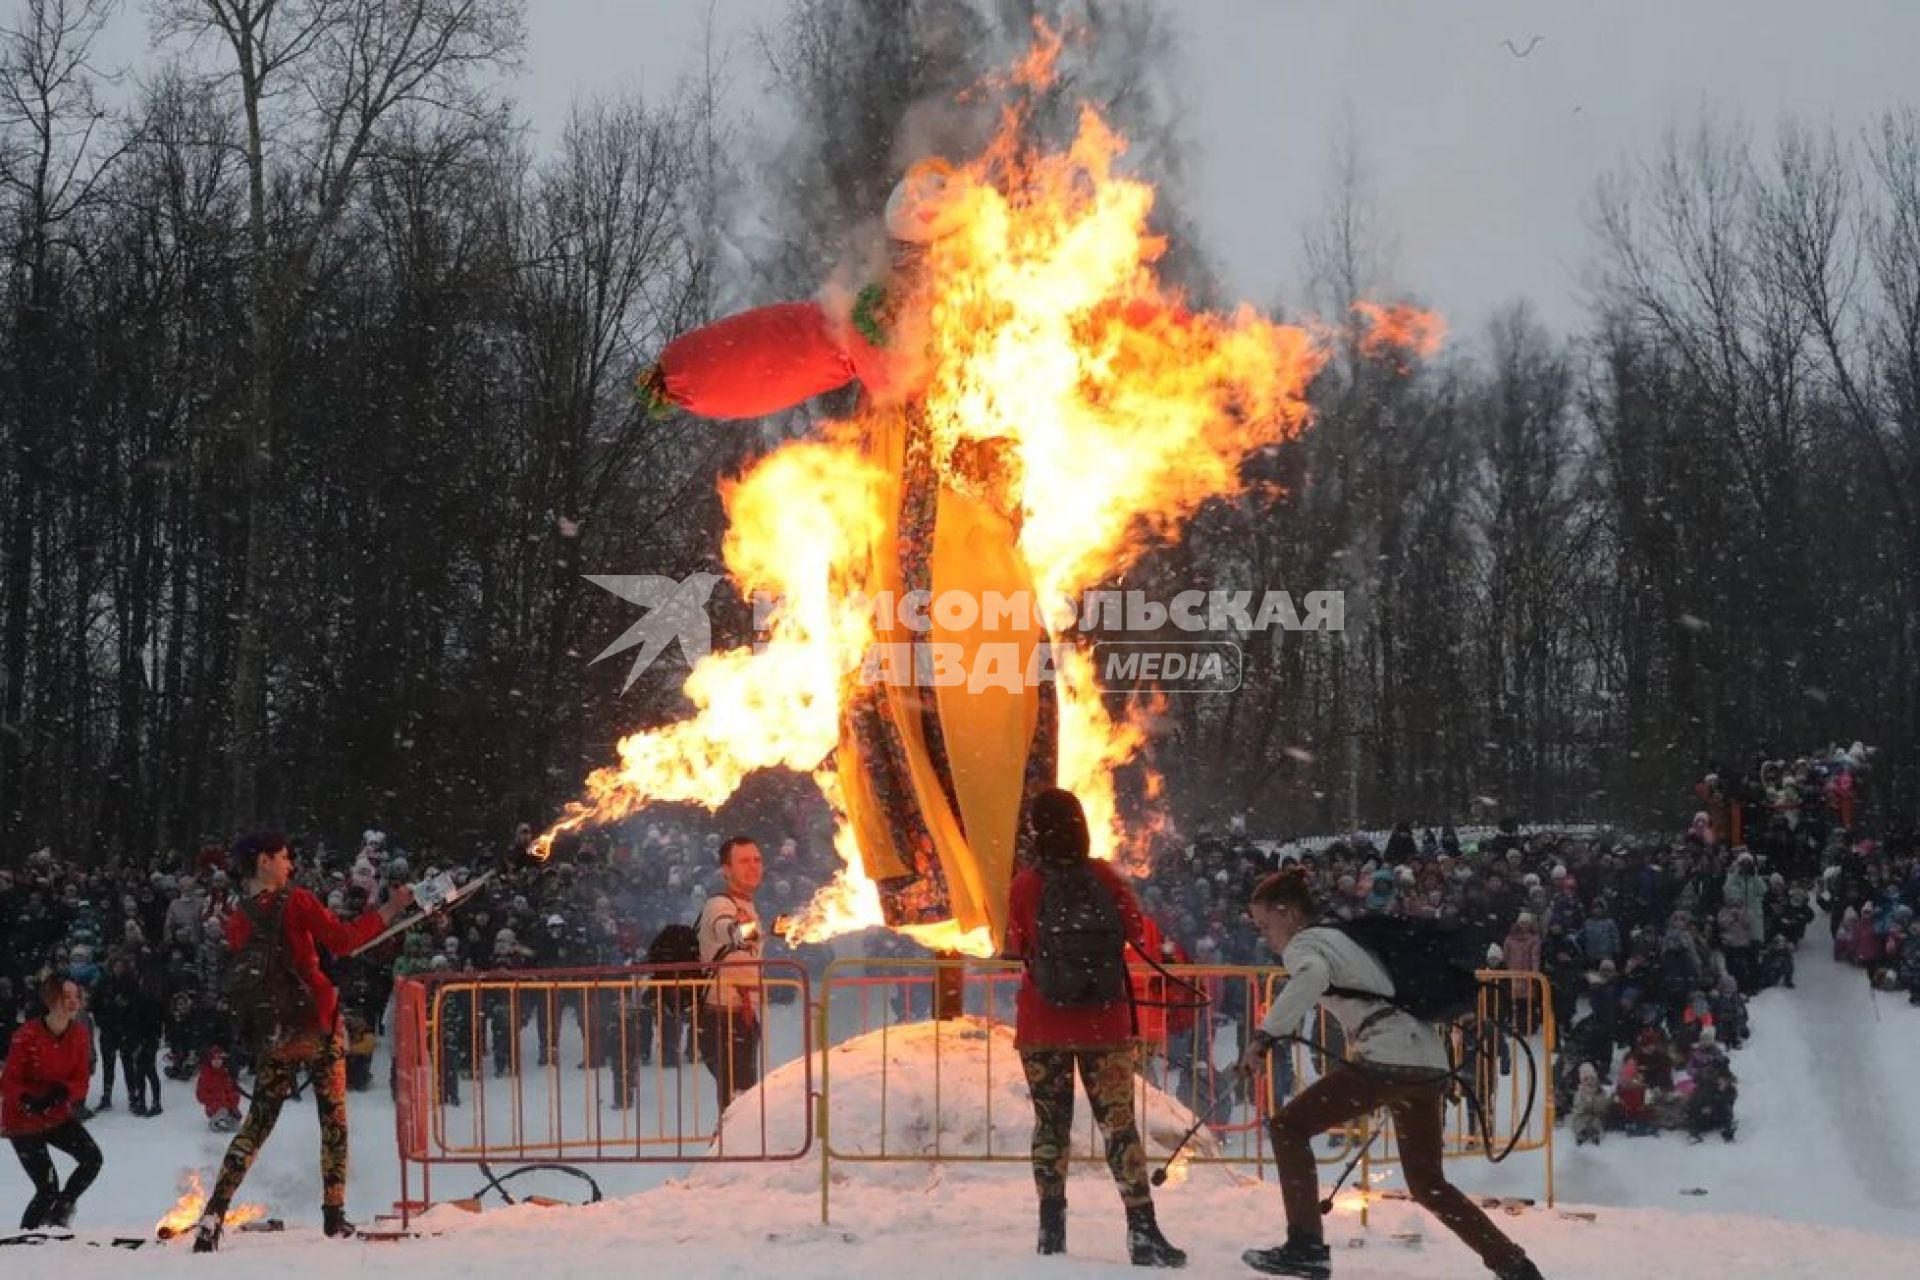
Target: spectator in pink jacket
pixel 1522 951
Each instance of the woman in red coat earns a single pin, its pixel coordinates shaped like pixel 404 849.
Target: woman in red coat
pixel 1096 1039
pixel 48 1066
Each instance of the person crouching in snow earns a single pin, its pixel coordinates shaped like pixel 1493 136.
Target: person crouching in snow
pixel 1630 1101
pixel 1590 1107
pixel 1711 1104
pixel 216 1091
pixel 43 1085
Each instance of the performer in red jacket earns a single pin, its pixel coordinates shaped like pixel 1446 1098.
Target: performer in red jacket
pixel 1095 1039
pixel 47 1069
pixel 263 860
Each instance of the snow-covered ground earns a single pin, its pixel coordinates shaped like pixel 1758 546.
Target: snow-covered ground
pixel 1823 1177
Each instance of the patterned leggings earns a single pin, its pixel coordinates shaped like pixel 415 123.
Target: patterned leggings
pixel 1108 1075
pixel 324 1059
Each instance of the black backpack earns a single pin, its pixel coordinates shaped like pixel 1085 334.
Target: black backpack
pixel 1080 959
pixel 270 1003
pixel 674 944
pixel 1433 965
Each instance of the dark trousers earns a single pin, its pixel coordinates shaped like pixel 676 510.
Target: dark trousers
pixel 730 1046
pixel 70 1138
pixel 142 1058
pixel 1416 1101
pixel 113 1047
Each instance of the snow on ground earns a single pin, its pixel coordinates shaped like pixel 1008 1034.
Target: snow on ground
pixel 1823 1175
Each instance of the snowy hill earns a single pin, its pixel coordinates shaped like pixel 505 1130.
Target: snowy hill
pixel 1823 1174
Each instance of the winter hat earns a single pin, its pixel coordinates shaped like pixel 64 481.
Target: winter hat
pixel 1589 1074
pixel 1059 826
pixel 1495 956
pixel 923 206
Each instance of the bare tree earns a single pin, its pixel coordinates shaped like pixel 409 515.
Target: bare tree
pixel 317 82
pixel 56 148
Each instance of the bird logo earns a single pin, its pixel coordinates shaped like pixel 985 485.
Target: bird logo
pixel 676 611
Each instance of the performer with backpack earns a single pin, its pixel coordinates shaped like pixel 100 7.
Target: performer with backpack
pixel 1400 1063
pixel 1070 918
pixel 287 1017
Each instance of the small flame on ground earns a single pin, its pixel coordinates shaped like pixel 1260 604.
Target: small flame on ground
pixel 188 1209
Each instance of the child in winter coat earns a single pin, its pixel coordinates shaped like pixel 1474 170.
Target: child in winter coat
pixel 1652 1061
pixel 1630 1100
pixel 1711 1104
pixel 216 1091
pixel 1866 942
pixel 1779 962
pixel 1589 1107
pixel 1910 963
pixel 1706 1055
pixel 1730 1013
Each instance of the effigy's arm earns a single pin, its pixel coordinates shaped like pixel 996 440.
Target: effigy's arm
pixel 751 364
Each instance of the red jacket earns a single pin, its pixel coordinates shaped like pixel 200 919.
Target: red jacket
pixel 308 925
pixel 39 1060
pixel 214 1088
pixel 1163 1007
pixel 1039 1025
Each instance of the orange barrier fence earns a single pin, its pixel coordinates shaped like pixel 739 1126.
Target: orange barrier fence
pixel 649 1052
pixel 1188 1046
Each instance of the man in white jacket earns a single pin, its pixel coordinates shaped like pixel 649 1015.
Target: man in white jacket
pixel 1401 1064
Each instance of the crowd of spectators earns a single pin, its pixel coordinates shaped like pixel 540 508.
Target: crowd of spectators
pixel 145 940
pixel 1650 947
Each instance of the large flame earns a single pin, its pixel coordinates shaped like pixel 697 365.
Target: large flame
pixel 1112 410
pixel 187 1210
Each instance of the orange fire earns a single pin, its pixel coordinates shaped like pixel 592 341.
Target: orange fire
pixel 1051 344
pixel 1397 329
pixel 186 1212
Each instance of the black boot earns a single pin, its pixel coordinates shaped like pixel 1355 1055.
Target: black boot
pixel 207 1238
pixel 59 1214
pixel 1309 1259
pixel 1145 1245
pixel 1053 1226
pixel 334 1222
pixel 1521 1270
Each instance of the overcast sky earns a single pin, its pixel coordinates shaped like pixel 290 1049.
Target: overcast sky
pixel 1483 162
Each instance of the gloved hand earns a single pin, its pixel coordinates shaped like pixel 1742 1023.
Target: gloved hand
pixel 650 393
pixel 40 1103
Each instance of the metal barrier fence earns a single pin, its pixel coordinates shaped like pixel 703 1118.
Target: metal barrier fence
pixel 641 1091
pixel 1182 1049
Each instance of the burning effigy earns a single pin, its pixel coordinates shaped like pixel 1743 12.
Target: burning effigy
pixel 1036 409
